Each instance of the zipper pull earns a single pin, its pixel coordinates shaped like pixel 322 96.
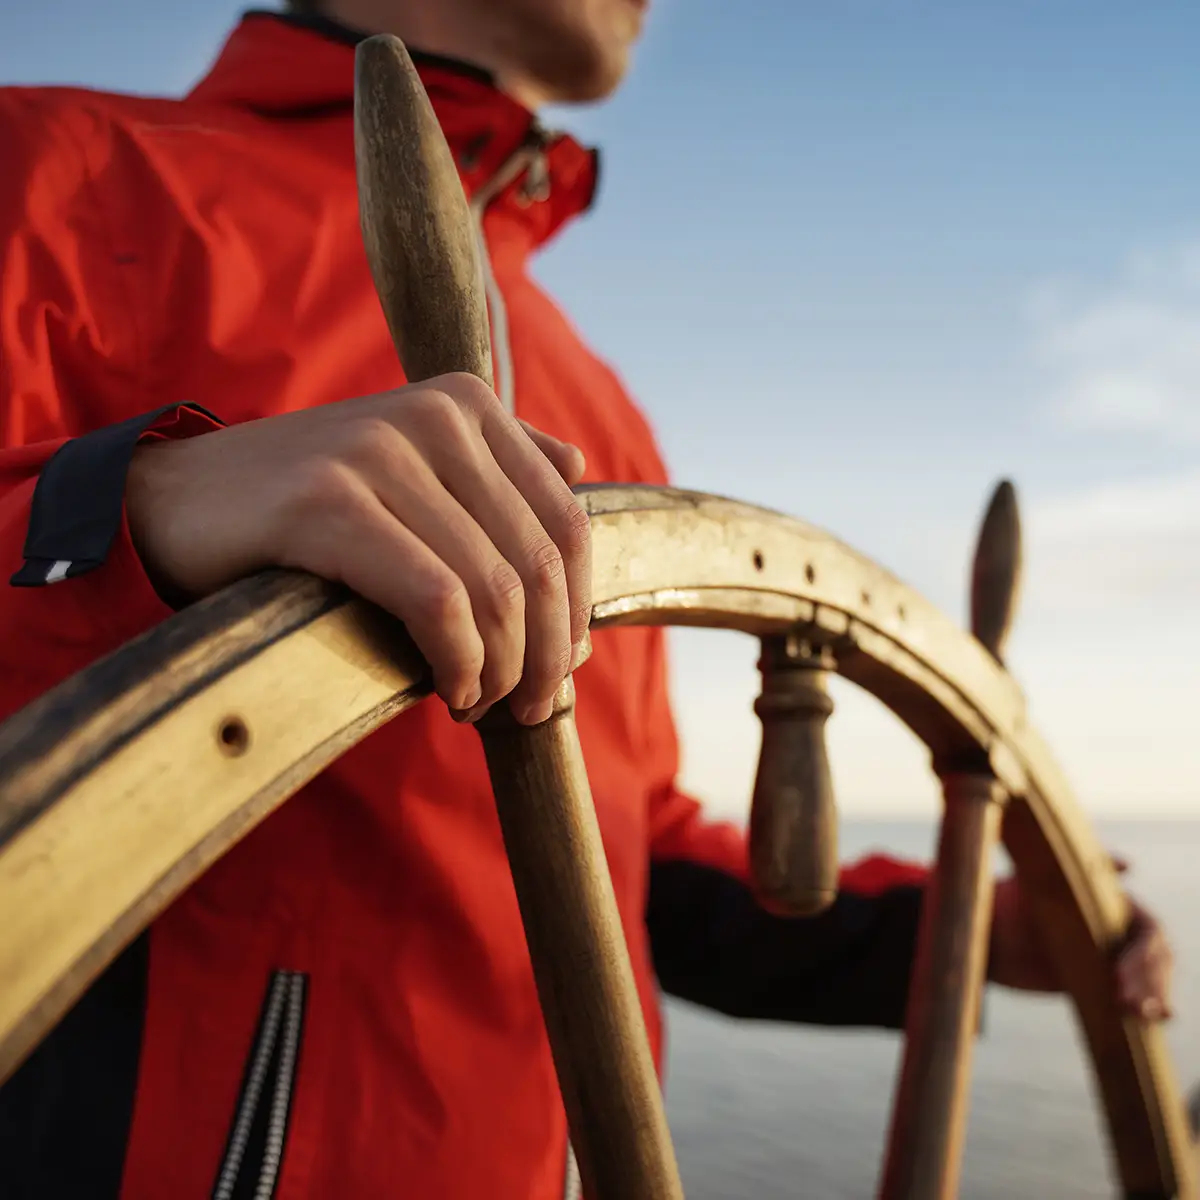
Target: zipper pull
pixel 537 178
pixel 537 175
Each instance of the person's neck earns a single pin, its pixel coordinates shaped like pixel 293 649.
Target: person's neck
pixel 436 29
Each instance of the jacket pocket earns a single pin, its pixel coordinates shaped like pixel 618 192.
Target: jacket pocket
pixel 254 1149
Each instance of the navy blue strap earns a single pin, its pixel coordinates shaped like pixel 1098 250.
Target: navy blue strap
pixel 79 500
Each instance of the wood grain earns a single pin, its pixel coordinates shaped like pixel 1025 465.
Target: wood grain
pixel 929 1115
pixel 660 556
pixel 420 242
pixel 793 819
pixel 416 227
pixel 580 958
pixel 180 781
pixel 57 739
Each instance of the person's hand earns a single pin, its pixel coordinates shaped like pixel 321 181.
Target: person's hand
pixel 1142 972
pixel 431 501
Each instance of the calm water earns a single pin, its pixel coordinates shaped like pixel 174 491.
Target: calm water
pixel 768 1112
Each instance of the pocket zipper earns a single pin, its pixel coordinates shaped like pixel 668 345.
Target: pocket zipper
pixel 254 1151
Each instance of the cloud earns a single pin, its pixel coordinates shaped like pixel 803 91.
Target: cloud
pixel 1116 545
pixel 1126 360
pixel 1122 361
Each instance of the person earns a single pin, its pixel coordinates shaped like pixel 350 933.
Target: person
pixel 196 382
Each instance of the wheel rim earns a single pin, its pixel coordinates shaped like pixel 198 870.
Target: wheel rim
pixel 661 556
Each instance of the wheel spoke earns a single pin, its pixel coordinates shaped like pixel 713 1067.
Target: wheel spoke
pixel 580 960
pixel 924 1155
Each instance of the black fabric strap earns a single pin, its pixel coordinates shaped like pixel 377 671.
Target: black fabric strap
pixel 79 500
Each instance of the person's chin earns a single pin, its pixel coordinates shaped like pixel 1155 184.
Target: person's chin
pixel 589 77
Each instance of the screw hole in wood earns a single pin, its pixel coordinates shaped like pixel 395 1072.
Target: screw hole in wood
pixel 233 737
pixel 759 561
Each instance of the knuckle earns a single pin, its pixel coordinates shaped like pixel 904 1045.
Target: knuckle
pixel 469 393
pixel 544 567
pixel 321 519
pixel 457 392
pixel 369 442
pixel 573 531
pixel 440 416
pixel 320 486
pixel 503 593
pixel 444 601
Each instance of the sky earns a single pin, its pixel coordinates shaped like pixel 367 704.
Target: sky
pixel 858 261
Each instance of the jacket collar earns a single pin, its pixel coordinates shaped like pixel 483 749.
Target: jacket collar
pixel 290 67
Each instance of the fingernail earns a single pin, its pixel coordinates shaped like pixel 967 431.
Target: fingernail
pixel 534 714
pixel 472 697
pixel 468 716
pixel 576 656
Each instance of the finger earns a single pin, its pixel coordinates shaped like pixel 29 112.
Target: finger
pixel 566 458
pixel 1150 1000
pixel 552 502
pixel 1144 973
pixel 361 544
pixel 471 473
pixel 1135 969
pixel 410 490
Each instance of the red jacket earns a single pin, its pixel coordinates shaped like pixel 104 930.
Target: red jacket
pixel 343 1006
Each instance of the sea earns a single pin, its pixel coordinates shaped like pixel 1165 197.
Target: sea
pixel 773 1112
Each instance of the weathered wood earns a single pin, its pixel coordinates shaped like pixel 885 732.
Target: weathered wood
pixel 170 752
pixel 660 557
pixel 421 246
pixel 793 818
pixel 580 958
pixel 1129 1057
pixel 996 571
pixel 929 1115
pixel 417 230
pixel 58 738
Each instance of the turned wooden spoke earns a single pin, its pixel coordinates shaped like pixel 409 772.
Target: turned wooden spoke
pixel 929 1117
pixel 793 819
pixel 580 960
pixel 996 571
pixel 421 246
pixel 417 230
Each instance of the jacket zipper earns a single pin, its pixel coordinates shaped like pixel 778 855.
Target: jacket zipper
pixel 254 1150
pixel 528 158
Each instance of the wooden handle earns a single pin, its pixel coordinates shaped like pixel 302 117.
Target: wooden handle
pixel 793 817
pixel 996 571
pixel 929 1111
pixel 419 240
pixel 580 959
pixel 416 226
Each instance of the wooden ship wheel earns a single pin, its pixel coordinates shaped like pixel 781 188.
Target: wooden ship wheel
pixel 119 787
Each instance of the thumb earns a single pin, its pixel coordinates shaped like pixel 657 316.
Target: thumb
pixel 566 459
